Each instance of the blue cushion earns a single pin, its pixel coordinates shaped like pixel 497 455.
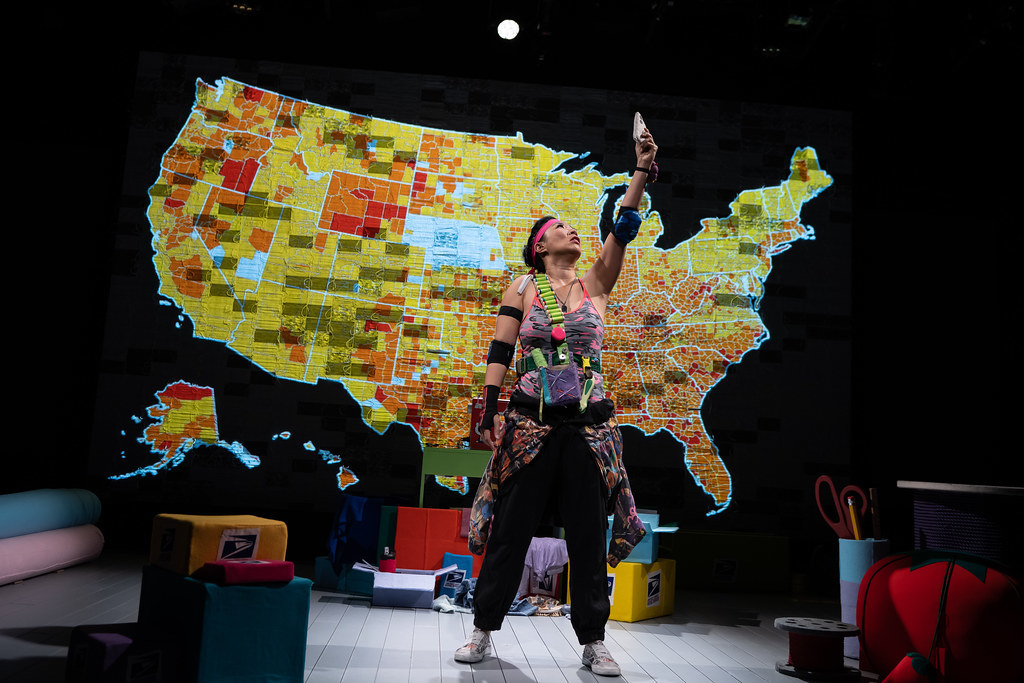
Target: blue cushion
pixel 29 512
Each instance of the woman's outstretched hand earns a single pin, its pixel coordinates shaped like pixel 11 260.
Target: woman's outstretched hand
pixel 646 149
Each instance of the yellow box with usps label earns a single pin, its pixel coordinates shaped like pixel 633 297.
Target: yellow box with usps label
pixel 640 591
pixel 184 543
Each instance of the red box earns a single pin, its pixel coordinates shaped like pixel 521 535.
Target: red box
pixel 233 572
pixel 424 535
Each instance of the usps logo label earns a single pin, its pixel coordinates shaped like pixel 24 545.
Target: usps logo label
pixel 546 585
pixel 654 588
pixel 167 543
pixel 238 544
pixel 454 578
pixel 144 668
pixel 611 589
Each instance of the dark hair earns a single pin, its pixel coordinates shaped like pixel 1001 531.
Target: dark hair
pixel 528 249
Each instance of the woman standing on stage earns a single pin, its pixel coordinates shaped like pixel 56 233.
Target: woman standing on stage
pixel 559 448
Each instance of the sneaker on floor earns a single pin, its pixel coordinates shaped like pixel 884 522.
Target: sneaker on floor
pixel 475 648
pixel 599 660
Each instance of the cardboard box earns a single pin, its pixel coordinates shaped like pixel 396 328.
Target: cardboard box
pixel 542 571
pixel 391 589
pixel 407 587
pixel 647 551
pixel 114 653
pixel 184 543
pixel 548 586
pixel 642 591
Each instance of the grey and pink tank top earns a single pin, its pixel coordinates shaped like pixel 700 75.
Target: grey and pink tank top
pixel 584 332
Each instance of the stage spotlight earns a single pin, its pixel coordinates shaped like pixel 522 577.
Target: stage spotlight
pixel 508 29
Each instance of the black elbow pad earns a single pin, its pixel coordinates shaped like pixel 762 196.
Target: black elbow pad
pixel 501 352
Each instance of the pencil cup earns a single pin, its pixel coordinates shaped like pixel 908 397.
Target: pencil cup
pixel 855 558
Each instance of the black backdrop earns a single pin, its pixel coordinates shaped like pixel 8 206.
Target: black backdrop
pixel 887 350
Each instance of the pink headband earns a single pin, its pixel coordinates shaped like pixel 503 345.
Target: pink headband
pixel 540 234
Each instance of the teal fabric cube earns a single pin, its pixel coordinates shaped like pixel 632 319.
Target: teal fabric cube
pixel 350 580
pixel 253 633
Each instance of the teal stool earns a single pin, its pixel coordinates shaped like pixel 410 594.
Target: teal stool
pixel 349 581
pixel 225 634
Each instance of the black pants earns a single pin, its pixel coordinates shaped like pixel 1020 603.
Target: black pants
pixel 564 478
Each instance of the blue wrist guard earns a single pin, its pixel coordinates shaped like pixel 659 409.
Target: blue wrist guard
pixel 627 225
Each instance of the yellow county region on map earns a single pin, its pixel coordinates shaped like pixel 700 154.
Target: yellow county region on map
pixel 322 244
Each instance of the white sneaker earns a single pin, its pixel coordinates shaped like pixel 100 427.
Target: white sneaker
pixel 599 660
pixel 475 648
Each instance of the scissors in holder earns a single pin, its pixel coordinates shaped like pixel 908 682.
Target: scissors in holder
pixel 847 515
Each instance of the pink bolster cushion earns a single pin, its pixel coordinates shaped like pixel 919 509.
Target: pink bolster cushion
pixel 30 555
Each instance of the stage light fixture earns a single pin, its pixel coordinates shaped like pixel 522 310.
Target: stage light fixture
pixel 508 29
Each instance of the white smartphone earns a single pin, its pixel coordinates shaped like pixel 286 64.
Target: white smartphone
pixel 638 126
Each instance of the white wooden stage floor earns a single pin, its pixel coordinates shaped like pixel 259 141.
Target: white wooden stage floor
pixel 721 637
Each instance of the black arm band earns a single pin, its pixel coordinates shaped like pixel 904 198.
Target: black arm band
pixel 490 407
pixel 501 352
pixel 512 312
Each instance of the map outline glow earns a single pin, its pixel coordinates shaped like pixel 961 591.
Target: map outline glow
pixel 741 293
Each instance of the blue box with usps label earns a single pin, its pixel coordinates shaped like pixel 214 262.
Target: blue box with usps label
pixel 451 581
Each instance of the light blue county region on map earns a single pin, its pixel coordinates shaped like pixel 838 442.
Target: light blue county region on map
pixel 457 244
pixel 323 244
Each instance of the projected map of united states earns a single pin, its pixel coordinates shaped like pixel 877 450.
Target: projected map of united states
pixel 327 246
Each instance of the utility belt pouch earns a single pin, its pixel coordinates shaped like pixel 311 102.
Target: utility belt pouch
pixel 560 379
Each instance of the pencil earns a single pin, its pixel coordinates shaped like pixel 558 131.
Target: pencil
pixel 854 518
